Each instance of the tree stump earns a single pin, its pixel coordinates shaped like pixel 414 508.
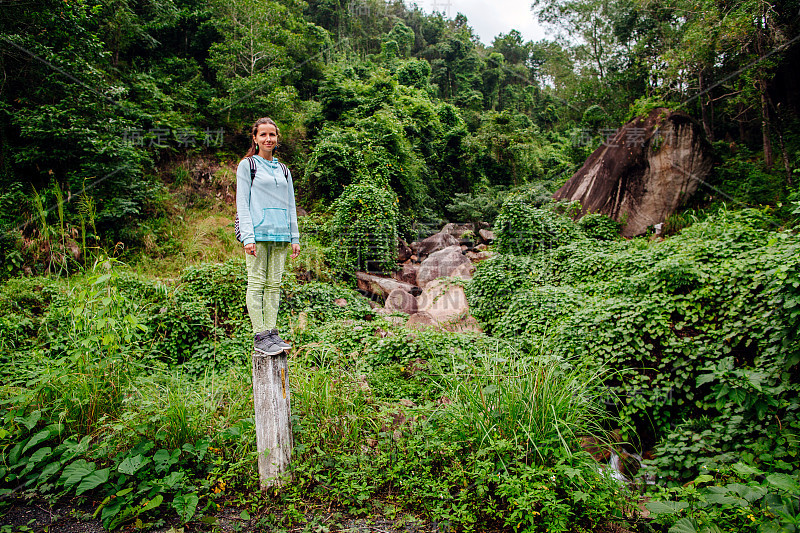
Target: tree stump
pixel 273 418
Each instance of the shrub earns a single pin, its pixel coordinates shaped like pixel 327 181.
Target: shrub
pixel 364 229
pixel 599 226
pixel 525 230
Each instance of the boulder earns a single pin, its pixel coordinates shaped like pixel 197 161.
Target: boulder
pixel 641 176
pixel 457 230
pixel 486 235
pixel 443 263
pixel 381 286
pixel 407 273
pixel 421 319
pixel 479 256
pixel 403 251
pixel 435 242
pixel 444 305
pixel 401 300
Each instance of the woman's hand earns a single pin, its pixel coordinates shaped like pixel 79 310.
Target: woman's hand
pixel 295 250
pixel 250 249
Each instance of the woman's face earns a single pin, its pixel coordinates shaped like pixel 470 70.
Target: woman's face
pixel 266 138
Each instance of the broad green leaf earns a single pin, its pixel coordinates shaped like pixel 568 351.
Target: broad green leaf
pixel 49 471
pixel 185 505
pixel 31 420
pixel 720 499
pixel 783 482
pixel 37 457
pixel 666 507
pixel 76 471
pixel 131 465
pixel 685 525
pixel 93 480
pixel 172 479
pixel 152 504
pixel 746 471
pixel 42 436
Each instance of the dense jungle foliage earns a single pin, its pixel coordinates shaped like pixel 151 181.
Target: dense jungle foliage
pixel 645 384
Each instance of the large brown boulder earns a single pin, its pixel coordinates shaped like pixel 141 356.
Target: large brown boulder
pixel 382 286
pixel 435 242
pixel 407 273
pixel 642 175
pixel 447 262
pixel 444 305
pixel 401 300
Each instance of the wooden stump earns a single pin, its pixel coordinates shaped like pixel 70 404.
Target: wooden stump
pixel 273 418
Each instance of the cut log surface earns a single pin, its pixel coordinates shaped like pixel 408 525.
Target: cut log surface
pixel 273 418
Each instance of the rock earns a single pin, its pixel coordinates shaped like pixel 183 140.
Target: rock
pixel 481 247
pixel 407 274
pixel 476 257
pixel 442 263
pixel 457 230
pixel 341 302
pixel 414 259
pixel 486 235
pixel 301 212
pixel 652 165
pixel 435 242
pixel 403 251
pixel 401 300
pixel 421 319
pixel 444 305
pixel 381 286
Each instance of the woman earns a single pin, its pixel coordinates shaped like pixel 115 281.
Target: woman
pixel 268 224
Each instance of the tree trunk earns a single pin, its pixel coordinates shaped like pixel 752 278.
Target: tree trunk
pixel 767 143
pixel 273 414
pixel 704 105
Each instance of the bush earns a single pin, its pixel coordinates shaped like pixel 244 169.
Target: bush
pixel 364 229
pixel 599 226
pixel 525 230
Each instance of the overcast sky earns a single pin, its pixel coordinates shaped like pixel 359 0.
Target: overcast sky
pixel 491 18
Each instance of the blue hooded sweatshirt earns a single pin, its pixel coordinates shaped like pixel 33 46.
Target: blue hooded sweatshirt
pixel 266 208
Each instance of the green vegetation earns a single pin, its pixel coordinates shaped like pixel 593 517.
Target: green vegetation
pixel 124 342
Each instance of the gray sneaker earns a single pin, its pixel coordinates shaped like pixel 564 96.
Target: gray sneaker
pixel 265 343
pixel 278 341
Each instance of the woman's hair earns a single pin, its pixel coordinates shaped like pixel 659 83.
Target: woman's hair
pixel 263 120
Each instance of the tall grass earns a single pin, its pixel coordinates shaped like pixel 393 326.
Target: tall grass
pixel 89 362
pixel 334 406
pixel 535 405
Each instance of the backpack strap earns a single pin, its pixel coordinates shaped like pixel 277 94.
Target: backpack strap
pixel 285 170
pixel 252 169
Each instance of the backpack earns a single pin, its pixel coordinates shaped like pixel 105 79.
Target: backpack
pixel 236 230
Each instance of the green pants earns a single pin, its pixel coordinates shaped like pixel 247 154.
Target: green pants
pixel 264 271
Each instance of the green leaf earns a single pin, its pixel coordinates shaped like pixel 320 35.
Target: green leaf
pixel 152 504
pixel 746 471
pixel 93 480
pixel 131 465
pixel 185 505
pixel 37 457
pixel 783 482
pixel 76 471
pixel 244 515
pixel 685 525
pixel 43 435
pixel 666 507
pixel 31 420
